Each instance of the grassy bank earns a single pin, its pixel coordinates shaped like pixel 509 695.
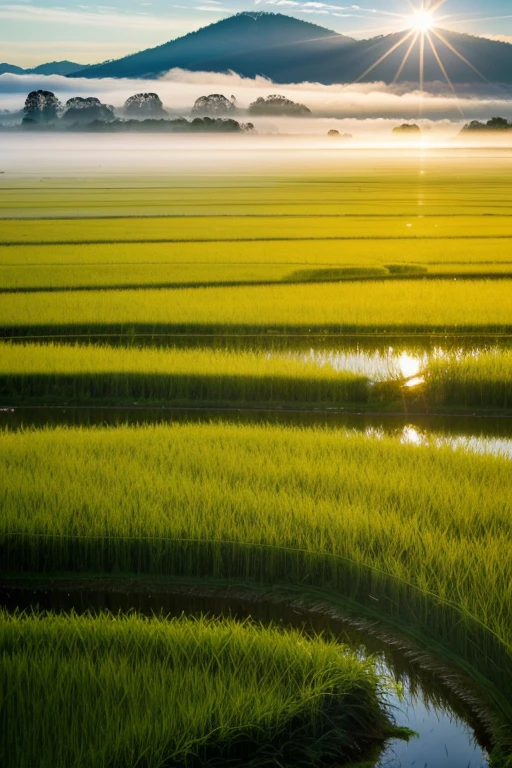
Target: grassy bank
pixel 151 692
pixel 387 306
pixel 412 531
pixel 56 373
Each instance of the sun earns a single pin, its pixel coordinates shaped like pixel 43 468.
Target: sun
pixel 422 21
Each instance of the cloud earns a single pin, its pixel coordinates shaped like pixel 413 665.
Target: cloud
pixel 104 17
pixel 179 89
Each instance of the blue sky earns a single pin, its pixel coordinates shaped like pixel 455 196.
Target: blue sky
pixel 35 31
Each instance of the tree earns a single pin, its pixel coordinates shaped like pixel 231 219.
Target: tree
pixel 278 105
pixel 80 110
pixel 143 105
pixel 494 124
pixel 409 128
pixel 41 107
pixel 498 124
pixel 214 104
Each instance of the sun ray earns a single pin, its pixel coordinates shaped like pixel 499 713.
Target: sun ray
pixel 422 61
pixel 445 73
pixel 385 55
pixel 406 57
pixel 457 53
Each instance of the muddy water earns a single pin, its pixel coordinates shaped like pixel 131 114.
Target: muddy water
pixel 449 732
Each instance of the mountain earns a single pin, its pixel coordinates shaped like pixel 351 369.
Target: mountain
pixel 52 68
pixel 287 50
pixel 56 68
pixel 11 69
pixel 249 43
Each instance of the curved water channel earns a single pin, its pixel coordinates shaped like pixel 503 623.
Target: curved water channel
pixel 451 733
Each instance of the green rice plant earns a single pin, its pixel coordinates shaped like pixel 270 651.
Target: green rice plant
pixel 393 306
pixel 351 253
pixel 125 691
pixel 481 379
pixel 336 273
pixel 182 229
pixel 411 532
pixel 406 269
pixel 57 372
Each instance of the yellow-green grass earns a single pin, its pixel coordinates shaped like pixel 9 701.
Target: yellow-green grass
pixel 401 190
pixel 420 535
pixel 286 254
pixel 160 264
pixel 483 379
pixel 294 228
pixel 91 373
pixel 405 305
pixel 128 691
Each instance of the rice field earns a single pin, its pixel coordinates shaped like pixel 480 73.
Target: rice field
pixel 471 380
pixel 193 692
pixel 405 306
pixel 60 372
pixel 417 537
pixel 268 504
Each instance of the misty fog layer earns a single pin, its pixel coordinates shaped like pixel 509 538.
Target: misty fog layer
pixel 189 159
pixel 179 89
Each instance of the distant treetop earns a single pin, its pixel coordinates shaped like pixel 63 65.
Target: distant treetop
pixel 144 105
pixel 494 124
pixel 214 104
pixel 407 128
pixel 278 105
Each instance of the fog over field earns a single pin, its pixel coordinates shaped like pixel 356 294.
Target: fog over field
pixel 178 90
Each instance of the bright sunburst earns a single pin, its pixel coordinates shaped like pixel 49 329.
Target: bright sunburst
pixel 422 20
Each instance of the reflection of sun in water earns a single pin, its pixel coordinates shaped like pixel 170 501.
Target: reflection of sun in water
pixel 409 365
pixel 422 20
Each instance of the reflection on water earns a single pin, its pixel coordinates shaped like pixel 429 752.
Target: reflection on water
pixel 383 364
pixel 445 741
pixel 483 445
pixel 450 735
pixel 378 364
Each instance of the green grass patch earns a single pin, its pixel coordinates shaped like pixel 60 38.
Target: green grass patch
pixel 336 273
pixel 413 532
pixel 129 691
pixel 59 372
pixel 477 380
pixel 404 305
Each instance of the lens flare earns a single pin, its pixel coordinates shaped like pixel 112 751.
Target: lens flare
pixel 422 21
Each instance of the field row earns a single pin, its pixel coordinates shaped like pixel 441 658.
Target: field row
pixel 229 228
pixel 102 374
pixel 191 691
pixel 402 191
pixel 407 306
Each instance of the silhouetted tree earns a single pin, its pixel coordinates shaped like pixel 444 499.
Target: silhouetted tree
pixel 214 104
pixel 41 107
pixel 85 110
pixel 494 124
pixel 144 105
pixel 278 105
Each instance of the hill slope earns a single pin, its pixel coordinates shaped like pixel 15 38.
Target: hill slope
pixel 250 43
pixel 286 50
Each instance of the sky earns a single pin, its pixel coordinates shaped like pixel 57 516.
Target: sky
pixel 37 31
